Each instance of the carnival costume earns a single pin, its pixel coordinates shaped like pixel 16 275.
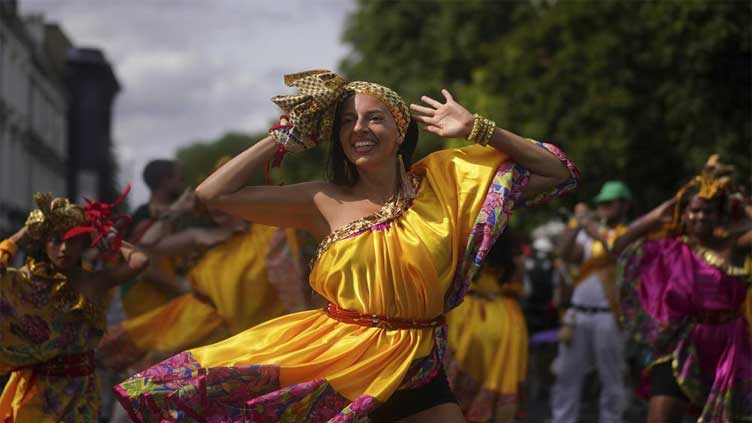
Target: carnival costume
pixel 389 278
pixel 488 345
pixel 48 330
pixel 252 277
pixel 684 304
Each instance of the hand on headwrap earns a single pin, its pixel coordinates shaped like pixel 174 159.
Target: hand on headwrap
pixel 309 114
pixel 716 179
pixel 310 111
pixel 107 242
pixel 99 220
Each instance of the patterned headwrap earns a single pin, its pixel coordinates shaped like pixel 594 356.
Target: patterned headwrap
pixel 53 216
pixel 309 115
pixel 60 216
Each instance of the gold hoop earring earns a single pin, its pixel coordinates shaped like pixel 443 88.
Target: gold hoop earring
pixel 405 186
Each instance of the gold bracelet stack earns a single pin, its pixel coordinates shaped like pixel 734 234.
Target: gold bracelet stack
pixel 483 130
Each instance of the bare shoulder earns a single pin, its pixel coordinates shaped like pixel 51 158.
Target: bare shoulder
pixel 320 191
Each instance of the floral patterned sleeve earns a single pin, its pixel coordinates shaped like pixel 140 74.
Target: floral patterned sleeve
pixel 569 185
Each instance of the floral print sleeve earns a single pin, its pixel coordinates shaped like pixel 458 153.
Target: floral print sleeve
pixel 563 188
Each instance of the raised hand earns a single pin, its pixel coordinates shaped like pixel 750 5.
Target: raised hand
pixel 664 212
pixel 19 239
pixel 448 120
pixel 21 236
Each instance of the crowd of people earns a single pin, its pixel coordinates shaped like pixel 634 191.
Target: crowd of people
pixel 391 291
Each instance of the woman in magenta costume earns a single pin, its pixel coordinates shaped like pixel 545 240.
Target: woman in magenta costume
pixel 398 251
pixel 683 299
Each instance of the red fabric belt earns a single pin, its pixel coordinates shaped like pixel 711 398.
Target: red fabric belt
pixel 72 365
pixel 376 321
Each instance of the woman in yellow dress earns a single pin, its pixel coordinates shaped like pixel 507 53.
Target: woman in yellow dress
pixel 249 277
pixel 52 311
pixel 398 251
pixel 487 360
pixel 160 283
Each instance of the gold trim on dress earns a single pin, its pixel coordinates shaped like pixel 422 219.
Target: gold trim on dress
pixel 719 262
pixel 390 211
pixel 64 296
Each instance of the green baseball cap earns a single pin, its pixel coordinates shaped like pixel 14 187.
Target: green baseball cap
pixel 613 190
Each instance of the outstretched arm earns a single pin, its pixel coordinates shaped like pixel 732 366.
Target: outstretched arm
pixel 452 120
pixel 9 246
pixel 165 224
pixel 644 225
pixel 285 206
pixel 743 231
pixel 162 280
pixel 132 262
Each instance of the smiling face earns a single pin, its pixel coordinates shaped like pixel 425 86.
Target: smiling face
pixel 700 217
pixel 64 254
pixel 368 133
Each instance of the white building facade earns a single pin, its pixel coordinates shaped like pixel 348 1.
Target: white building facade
pixel 33 124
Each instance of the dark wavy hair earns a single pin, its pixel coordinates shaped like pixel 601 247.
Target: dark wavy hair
pixel 501 256
pixel 157 171
pixel 341 171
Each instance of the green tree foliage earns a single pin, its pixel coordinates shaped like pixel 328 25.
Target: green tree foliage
pixel 638 91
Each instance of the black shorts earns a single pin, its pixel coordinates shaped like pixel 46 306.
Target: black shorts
pixel 663 382
pixel 406 402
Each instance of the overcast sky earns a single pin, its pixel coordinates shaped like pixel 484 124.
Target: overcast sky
pixel 193 69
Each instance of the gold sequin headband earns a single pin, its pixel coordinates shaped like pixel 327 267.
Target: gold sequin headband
pixel 391 100
pixel 53 216
pixel 310 113
pixel 715 179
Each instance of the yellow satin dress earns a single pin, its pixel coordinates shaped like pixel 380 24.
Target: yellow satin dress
pixel 488 344
pixel 401 262
pixel 143 295
pixel 232 290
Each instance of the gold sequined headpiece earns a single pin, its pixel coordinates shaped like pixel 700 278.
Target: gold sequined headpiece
pixel 715 179
pixel 311 110
pixel 53 216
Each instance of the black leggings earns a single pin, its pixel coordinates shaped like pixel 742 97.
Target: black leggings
pixel 406 402
pixel 663 382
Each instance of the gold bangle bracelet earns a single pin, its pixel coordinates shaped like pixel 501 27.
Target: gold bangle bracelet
pixel 477 123
pixel 483 130
pixel 488 130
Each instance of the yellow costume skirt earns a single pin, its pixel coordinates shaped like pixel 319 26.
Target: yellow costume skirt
pixel 283 358
pixel 143 296
pixel 488 346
